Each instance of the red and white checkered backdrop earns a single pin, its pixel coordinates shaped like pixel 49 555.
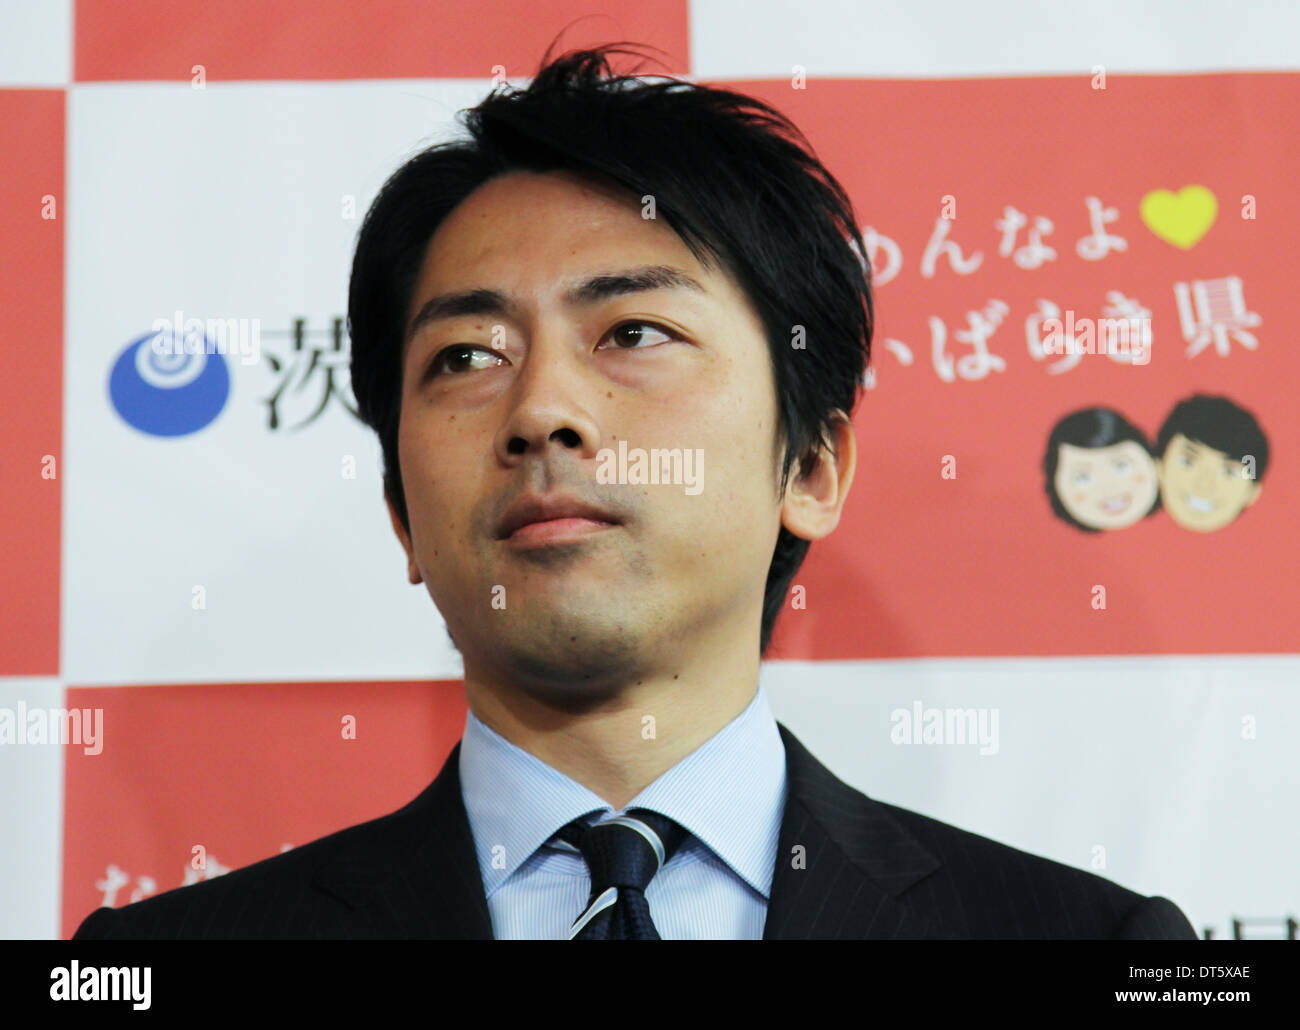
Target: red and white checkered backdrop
pixel 196 559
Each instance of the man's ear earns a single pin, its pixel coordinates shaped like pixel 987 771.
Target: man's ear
pixel 412 570
pixel 813 502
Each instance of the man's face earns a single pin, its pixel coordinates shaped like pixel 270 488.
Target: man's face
pixel 1106 487
pixel 1203 489
pixel 516 394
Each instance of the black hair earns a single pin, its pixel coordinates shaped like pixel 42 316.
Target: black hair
pixel 1088 427
pixel 1219 423
pixel 732 176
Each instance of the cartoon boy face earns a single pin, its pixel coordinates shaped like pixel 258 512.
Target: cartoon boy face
pixel 1106 487
pixel 1201 488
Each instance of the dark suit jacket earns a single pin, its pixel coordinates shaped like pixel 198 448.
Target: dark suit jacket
pixel 870 871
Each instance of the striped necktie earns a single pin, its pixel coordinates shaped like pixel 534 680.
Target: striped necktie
pixel 623 855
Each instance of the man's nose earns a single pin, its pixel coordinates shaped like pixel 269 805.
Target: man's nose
pixel 550 399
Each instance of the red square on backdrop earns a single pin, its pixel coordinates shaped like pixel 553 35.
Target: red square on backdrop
pixel 239 770
pixel 32 213
pixel 336 39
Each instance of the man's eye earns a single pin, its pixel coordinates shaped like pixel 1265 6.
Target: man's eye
pixel 628 335
pixel 454 359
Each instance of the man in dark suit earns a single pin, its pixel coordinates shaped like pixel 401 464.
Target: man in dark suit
pixel 872 872
pixel 553 324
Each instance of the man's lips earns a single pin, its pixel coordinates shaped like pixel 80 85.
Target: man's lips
pixel 552 530
pixel 541 509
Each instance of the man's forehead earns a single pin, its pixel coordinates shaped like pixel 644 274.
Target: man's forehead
pixel 539 250
pixel 551 202
pixel 579 227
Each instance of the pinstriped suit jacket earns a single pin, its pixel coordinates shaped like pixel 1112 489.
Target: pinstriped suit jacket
pixel 847 867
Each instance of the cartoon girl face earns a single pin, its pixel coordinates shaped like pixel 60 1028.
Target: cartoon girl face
pixel 1106 487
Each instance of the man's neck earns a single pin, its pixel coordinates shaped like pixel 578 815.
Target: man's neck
pixel 619 747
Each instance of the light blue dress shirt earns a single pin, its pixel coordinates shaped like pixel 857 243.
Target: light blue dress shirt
pixel 729 794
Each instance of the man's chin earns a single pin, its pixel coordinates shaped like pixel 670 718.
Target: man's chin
pixel 560 655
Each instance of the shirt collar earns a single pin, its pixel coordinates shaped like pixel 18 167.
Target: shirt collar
pixel 729 792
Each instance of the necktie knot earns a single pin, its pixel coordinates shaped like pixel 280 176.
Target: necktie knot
pixel 623 855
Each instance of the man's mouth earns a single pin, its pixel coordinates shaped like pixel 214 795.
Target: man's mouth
pixel 1116 504
pixel 557 530
pixel 1198 504
pixel 561 513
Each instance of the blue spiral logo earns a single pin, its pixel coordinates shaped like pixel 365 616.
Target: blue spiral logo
pixel 165 389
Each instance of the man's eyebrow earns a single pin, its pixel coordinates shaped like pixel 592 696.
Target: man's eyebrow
pixel 634 280
pixel 592 290
pixel 453 305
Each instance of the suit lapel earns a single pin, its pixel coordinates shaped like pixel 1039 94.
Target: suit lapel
pixel 841 862
pixel 417 875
